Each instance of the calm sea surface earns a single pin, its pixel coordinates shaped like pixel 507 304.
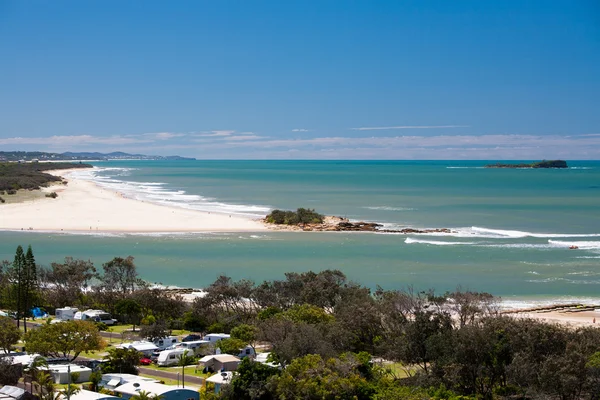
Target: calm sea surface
pixel 513 226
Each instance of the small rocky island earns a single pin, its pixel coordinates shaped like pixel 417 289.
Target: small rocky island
pixel 310 221
pixel 539 164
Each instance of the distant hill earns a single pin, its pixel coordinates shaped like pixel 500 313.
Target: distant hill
pixel 69 156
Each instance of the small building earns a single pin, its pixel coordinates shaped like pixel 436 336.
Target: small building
pixel 111 381
pixel 166 392
pixel 219 362
pixel 62 373
pixel 83 394
pixel 219 380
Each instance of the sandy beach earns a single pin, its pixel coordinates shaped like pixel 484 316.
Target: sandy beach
pixel 82 206
pixel 573 319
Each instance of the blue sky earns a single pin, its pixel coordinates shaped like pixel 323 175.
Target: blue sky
pixel 303 79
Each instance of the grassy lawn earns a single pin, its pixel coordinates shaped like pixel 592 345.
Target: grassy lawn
pixel 171 381
pixel 189 370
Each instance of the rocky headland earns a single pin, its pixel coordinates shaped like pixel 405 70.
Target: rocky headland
pixel 540 164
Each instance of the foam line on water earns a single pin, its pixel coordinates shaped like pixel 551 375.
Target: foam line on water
pixel 158 192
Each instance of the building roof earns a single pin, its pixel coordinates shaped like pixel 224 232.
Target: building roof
pixel 68 368
pixel 11 392
pixel 221 378
pixel 133 388
pixel 223 358
pixel 89 395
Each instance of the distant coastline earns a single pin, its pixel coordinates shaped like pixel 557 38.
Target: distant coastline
pixel 539 164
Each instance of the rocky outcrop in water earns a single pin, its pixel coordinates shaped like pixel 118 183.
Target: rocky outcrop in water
pixel 339 224
pixel 540 164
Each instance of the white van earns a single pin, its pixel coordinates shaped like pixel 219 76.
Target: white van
pixel 167 358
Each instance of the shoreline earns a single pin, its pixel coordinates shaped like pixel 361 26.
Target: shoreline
pixel 85 207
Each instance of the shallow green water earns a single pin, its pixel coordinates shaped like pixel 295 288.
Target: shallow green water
pixel 513 226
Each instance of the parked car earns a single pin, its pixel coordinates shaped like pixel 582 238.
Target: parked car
pixel 145 361
pixel 191 338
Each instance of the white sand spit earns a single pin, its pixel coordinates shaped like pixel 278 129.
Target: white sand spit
pixel 82 206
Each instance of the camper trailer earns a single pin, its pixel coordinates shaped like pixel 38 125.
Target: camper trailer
pixel 95 316
pixel 193 346
pixel 166 342
pixel 146 348
pixel 167 358
pixel 215 337
pixel 66 313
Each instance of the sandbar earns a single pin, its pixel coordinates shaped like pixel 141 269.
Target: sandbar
pixel 83 206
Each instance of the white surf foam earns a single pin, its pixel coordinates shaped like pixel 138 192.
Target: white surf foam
pixel 475 231
pixel 582 245
pixel 389 208
pixel 158 192
pixel 435 242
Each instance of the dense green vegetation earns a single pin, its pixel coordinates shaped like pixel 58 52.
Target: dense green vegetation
pixel 300 216
pixel 539 164
pixel 15 176
pixel 333 338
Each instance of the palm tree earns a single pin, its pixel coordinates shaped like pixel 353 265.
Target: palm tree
pixel 46 386
pixel 142 395
pixel 70 391
pixel 33 371
pixel 183 360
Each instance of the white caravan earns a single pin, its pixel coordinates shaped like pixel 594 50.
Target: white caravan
pixel 66 313
pixel 193 345
pixel 167 358
pixel 166 342
pixel 215 337
pixel 95 316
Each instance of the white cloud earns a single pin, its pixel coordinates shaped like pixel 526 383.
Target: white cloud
pixel 73 140
pixel 215 133
pixel 385 128
pixel 163 135
pixel 300 130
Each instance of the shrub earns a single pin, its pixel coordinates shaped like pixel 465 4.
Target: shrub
pixel 300 216
pixel 2 200
pixel 53 195
pixel 11 191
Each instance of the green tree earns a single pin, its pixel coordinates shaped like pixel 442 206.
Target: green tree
pixel 311 377
pixel 124 361
pixel 246 333
pixel 66 339
pixel 231 346
pixel 9 334
pixel 250 381
pixel 95 379
pixel 64 281
pixel 30 285
pixel 131 309
pixel 9 372
pixel 120 274
pixel 18 268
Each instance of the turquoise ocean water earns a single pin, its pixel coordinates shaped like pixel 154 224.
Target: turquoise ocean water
pixel 513 226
